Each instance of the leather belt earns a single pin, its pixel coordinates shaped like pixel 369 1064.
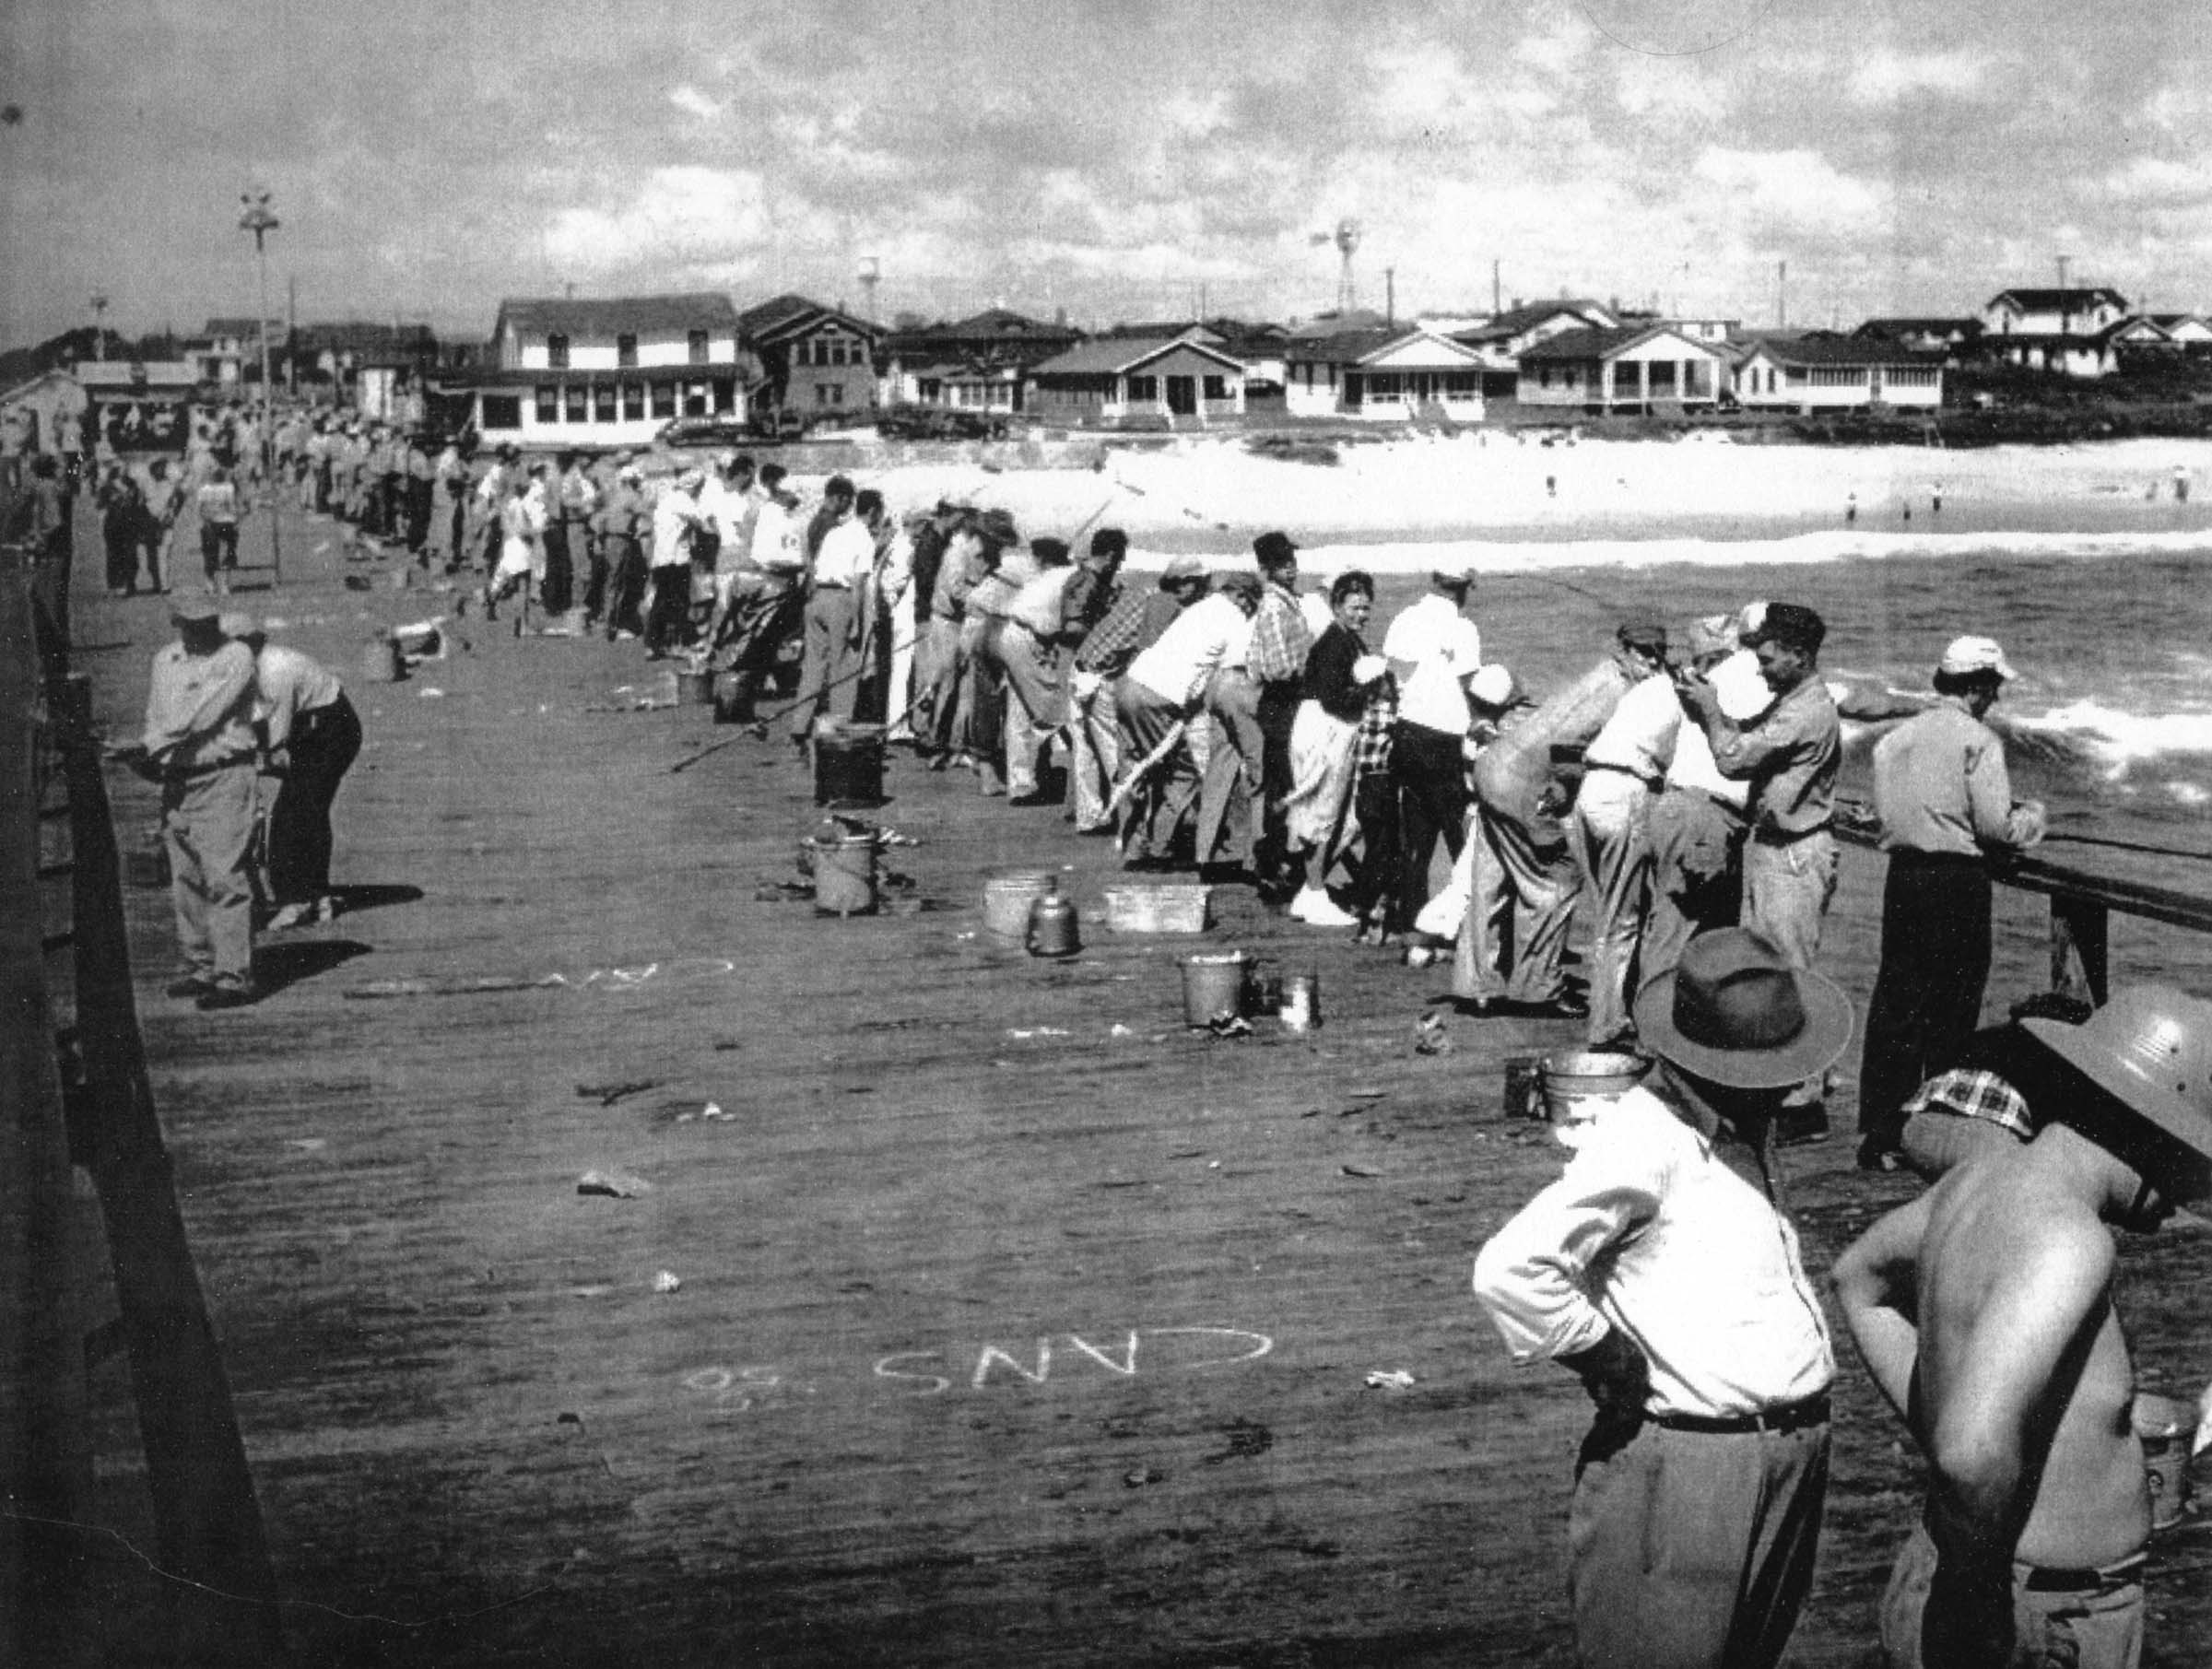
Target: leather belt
pixel 1778 837
pixel 2055 1578
pixel 1790 1416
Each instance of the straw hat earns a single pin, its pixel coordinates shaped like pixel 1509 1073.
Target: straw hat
pixel 1970 654
pixel 238 625
pixel 2151 1049
pixel 1734 1012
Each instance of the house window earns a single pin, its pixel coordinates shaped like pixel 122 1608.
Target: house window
pixel 1543 376
pixel 726 394
pixel 664 399
pixel 1662 379
pixel 502 411
pixel 1462 385
pixel 626 348
pixel 695 396
pixel 603 403
pixel 634 401
pixel 556 353
pixel 1697 379
pixel 828 393
pixel 577 398
pixel 549 403
pixel 698 344
pixel 1216 388
pixel 1144 390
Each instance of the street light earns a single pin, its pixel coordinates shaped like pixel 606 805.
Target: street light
pixel 261 222
pixel 99 334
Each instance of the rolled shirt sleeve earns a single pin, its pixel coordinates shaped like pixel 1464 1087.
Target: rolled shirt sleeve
pixel 1532 1275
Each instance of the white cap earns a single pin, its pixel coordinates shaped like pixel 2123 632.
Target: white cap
pixel 1368 668
pixel 1976 654
pixel 1492 685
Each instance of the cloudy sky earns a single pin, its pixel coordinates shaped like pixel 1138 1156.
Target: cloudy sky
pixel 1119 159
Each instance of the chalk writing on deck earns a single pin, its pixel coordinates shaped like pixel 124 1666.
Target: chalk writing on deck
pixel 1153 1349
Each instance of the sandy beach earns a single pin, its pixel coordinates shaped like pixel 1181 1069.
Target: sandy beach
pixel 1507 502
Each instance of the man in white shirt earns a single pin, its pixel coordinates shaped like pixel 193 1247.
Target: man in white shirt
pixel 311 735
pixel 1624 767
pixel 1022 647
pixel 1661 1271
pixel 838 608
pixel 1157 699
pixel 1432 648
pixel 675 518
pixel 889 639
pixel 1697 826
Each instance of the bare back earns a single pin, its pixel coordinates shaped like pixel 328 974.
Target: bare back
pixel 2016 1317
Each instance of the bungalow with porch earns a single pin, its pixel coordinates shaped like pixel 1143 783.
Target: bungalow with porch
pixel 1114 378
pixel 1808 374
pixel 1394 375
pixel 2184 330
pixel 1633 370
pixel 975 364
pixel 817 362
pixel 568 373
pixel 2053 312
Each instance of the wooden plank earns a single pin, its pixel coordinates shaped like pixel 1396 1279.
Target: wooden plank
pixel 206 1515
pixel 46 1608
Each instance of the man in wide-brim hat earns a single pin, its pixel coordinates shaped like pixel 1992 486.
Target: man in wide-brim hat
pixel 1661 1271
pixel 1985 1311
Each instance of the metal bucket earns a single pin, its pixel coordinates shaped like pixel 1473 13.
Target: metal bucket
pixel 1213 987
pixel 2166 1427
pixel 1006 900
pixel 844 875
pixel 848 765
pixel 1578 1085
pixel 380 662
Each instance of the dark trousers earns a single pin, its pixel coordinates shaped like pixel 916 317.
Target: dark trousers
pixel 1432 803
pixel 625 586
pixel 323 745
pixel 1279 715
pixel 1927 994
pixel 668 621
pixel 419 512
pixel 557 589
pixel 595 572
pixel 1375 884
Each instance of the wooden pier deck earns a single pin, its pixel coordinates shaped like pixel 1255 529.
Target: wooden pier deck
pixel 1012 1322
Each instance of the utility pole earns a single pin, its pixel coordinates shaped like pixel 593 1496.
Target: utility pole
pixel 2064 311
pixel 1389 295
pixel 261 222
pixel 1781 295
pixel 1496 293
pixel 100 333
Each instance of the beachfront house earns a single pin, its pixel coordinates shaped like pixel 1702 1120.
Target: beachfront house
pixel 1114 379
pixel 2184 330
pixel 1521 326
pixel 979 363
pixel 1816 374
pixel 1394 375
pixel 1924 333
pixel 1631 370
pixel 2053 312
pixel 818 363
pixel 223 353
pixel 567 373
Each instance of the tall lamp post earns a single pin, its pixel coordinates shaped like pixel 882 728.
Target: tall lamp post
pixel 99 320
pixel 261 222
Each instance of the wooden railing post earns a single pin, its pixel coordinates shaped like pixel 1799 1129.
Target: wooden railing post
pixel 206 1514
pixel 46 1604
pixel 2079 930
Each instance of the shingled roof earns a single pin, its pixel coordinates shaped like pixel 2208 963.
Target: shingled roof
pixel 615 315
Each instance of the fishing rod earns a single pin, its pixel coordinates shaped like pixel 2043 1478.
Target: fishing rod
pixel 2113 845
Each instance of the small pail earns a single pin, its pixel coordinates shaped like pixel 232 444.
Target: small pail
pixel 380 662
pixel 1301 1007
pixel 1213 987
pixel 848 766
pixel 694 689
pixel 844 875
pixel 1577 1084
pixel 2166 1427
pixel 1006 900
pixel 729 703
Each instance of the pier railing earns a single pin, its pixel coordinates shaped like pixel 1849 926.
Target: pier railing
pixel 77 1092
pixel 2082 905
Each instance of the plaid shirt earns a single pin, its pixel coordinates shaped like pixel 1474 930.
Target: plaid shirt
pixel 1129 629
pixel 1280 638
pixel 1371 742
pixel 1974 1095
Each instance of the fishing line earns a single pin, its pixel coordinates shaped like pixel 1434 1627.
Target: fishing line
pixel 2156 852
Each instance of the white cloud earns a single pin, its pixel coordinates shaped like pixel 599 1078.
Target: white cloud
pixel 1883 77
pixel 680 215
pixel 2154 179
pixel 1799 188
pixel 693 103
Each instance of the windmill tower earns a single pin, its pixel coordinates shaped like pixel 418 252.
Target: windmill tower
pixel 1346 240
pixel 871 275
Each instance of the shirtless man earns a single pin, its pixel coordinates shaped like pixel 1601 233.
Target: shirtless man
pixel 1985 1311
